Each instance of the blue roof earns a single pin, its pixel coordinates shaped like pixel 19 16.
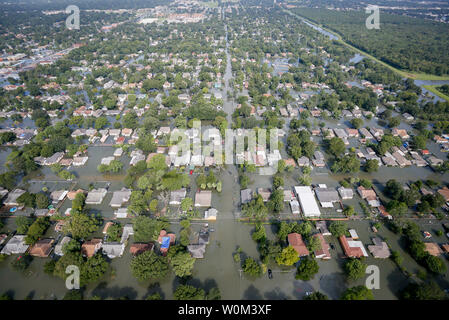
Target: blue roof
pixel 165 242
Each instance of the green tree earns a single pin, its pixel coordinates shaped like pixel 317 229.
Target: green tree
pixel 357 293
pixel 287 257
pixel 435 264
pixel 336 147
pixel 349 211
pixel 186 204
pixel 357 123
pixel 147 229
pixel 371 165
pixel 42 201
pixel 251 267
pixel 214 294
pixel 355 269
pixel 338 228
pixel 307 269
pixel 187 292
pixel 424 291
pixel 114 232
pixel 81 225
pixel 316 296
pixel 259 233
pixel 148 265
pixel 23 223
pixel 37 230
pixel 182 264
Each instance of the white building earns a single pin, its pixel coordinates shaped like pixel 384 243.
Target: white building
pixel 307 201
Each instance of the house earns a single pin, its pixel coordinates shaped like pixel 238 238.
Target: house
pixel 353 234
pixel 96 196
pixel 401 160
pixel 400 133
pixel 127 132
pixel 307 201
pixel 42 248
pixel 177 196
pixel 290 162
pixel 3 237
pixel 107 160
pixel 369 195
pixel 322 253
pixel 434 161
pixel 41 212
pixel 445 193
pixel 128 230
pixel 211 214
pixel 352 248
pixel 366 134
pixel 303 161
pixel 163 131
pixel 118 152
pixel 138 248
pixel 433 249
pixel 107 226
pixel 264 193
pixel 389 160
pixel 383 212
pixel 90 248
pixel 66 162
pixel 380 249
pixel 203 198
pixel 120 197
pixel 294 206
pixel 12 197
pixel 72 194
pixel 319 163
pixel 79 161
pixel 352 132
pixel 54 159
pixel 60 245
pixel 16 245
pixel 445 248
pixel 417 159
pixel 58 196
pixel 327 197
pixel 345 193
pixel 196 250
pixel 121 213
pixel 295 240
pixel 113 249
pixel 166 240
pixel 60 225
pixel 288 195
pixel 3 192
pixel 440 140
pixel 322 228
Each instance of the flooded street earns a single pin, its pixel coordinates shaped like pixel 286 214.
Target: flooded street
pixel 230 234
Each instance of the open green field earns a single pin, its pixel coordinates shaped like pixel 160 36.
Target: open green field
pixel 209 4
pixel 403 73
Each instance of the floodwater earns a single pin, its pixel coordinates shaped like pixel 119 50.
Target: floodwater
pixel 218 267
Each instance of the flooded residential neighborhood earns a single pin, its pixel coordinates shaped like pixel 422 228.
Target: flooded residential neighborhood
pixel 137 159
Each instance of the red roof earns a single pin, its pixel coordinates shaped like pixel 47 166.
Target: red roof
pixel 295 240
pixel 324 251
pixel 350 252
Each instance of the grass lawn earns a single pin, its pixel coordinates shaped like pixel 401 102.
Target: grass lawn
pixel 433 89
